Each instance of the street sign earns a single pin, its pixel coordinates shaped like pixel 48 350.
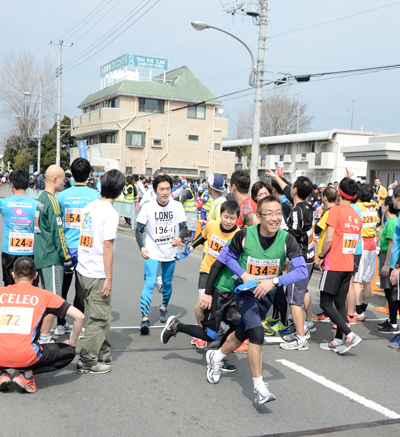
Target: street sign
pixel 82 148
pixel 134 60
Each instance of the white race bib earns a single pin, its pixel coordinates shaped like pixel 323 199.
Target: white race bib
pixel 72 218
pixel 350 242
pixel 215 245
pixel 164 231
pixel 20 242
pixel 262 268
pixel 15 320
pixel 370 219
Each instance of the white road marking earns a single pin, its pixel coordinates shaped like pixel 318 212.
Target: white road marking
pixel 134 327
pixel 340 389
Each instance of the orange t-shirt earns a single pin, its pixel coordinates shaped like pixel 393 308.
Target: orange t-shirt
pixel 22 308
pixel 348 227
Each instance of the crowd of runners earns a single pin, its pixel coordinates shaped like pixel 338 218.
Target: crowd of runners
pixel 259 253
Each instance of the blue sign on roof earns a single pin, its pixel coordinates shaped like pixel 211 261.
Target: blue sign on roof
pixel 136 61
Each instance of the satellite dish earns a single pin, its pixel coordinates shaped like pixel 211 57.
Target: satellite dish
pixel 220 111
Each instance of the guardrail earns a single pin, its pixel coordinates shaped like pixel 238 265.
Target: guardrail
pixel 124 209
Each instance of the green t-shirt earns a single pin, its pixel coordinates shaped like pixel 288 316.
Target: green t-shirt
pixel 387 233
pixel 50 245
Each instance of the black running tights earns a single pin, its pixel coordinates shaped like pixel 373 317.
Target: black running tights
pixel 335 308
pixel 280 306
pixel 199 332
pixel 392 306
pixel 79 298
pixel 55 356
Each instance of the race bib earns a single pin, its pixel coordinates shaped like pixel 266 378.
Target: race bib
pixel 15 320
pixel 310 235
pixel 72 218
pixel 20 242
pixel 370 219
pixel 215 246
pixel 350 242
pixel 164 231
pixel 86 241
pixel 37 229
pixel 262 268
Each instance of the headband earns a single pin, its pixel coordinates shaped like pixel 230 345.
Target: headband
pixel 346 196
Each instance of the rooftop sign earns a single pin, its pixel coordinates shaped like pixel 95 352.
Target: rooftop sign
pixel 136 61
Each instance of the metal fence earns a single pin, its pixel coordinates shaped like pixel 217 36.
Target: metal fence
pixel 124 209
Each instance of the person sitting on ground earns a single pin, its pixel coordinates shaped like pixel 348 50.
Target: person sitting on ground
pixel 22 310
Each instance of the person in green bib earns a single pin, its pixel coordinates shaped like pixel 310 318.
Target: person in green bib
pixel 255 253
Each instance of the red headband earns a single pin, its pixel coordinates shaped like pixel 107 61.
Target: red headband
pixel 346 196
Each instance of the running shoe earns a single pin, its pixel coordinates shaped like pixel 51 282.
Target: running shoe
pixel 352 319
pixel 271 321
pixel 243 348
pixel 310 324
pixel 295 344
pixel 292 336
pixel 201 344
pixel 5 380
pixel 170 330
pixel 97 368
pixel 223 328
pixel 321 318
pixel 144 327
pixel 263 395
pixel 63 329
pixel 389 330
pixel 279 328
pixel 395 338
pixel 331 346
pixel 159 283
pixel 27 384
pixel 213 368
pixel 348 344
pixel 395 344
pixel 193 341
pixel 50 340
pixel 225 367
pixel 163 315
pixel 108 361
pixel 290 320
pixel 360 317
pixel 268 330
pixel 384 324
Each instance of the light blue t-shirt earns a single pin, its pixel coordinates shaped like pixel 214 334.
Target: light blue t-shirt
pixel 359 245
pixel 396 245
pixel 72 201
pixel 18 224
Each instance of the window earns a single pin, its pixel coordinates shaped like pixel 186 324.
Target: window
pixel 97 106
pixel 85 110
pixel 271 150
pixel 128 170
pixel 135 138
pixel 217 146
pixel 91 140
pixel 193 138
pixel 151 105
pixel 104 139
pixel 112 103
pixel 114 138
pixel 202 174
pixel 197 112
pixel 191 171
pixel 149 171
pixel 157 142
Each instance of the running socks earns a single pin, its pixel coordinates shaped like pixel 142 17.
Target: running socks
pixel 364 307
pixel 359 309
pixel 218 356
pixel 45 338
pixel 259 383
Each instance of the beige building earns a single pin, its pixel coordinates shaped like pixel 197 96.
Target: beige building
pixel 169 122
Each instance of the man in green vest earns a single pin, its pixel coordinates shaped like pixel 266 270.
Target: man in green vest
pixel 187 199
pixel 129 194
pixel 255 253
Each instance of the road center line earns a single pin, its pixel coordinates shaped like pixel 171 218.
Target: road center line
pixel 340 389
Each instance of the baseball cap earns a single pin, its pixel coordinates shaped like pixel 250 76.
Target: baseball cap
pixel 216 182
pixel 321 186
pixel 36 173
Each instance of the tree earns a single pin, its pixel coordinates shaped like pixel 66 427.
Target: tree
pixel 21 72
pixel 241 124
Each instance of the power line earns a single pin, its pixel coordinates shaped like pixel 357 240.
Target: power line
pixel 333 21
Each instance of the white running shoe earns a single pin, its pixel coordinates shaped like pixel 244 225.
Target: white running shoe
pixel 63 329
pixel 213 368
pixel 263 395
pixel 295 344
pixel 81 335
pixel 292 336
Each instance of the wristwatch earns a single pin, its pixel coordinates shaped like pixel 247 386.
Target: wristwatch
pixel 320 257
pixel 397 266
pixel 275 280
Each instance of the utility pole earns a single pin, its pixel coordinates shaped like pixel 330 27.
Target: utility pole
pixel 259 89
pixel 40 128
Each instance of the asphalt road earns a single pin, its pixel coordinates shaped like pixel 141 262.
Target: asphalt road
pixel 162 390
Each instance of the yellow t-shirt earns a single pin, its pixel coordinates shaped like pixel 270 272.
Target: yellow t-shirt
pixel 216 241
pixel 322 224
pixel 215 208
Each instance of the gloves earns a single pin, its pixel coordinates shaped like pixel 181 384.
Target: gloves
pixel 69 267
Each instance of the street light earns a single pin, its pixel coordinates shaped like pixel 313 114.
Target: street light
pixel 199 25
pixel 40 138
pixel 58 148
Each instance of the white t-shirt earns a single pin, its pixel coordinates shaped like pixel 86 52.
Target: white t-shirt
pixel 162 225
pixel 150 194
pixel 99 223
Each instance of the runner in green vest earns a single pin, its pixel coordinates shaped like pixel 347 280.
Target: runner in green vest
pixel 129 192
pixel 255 253
pixel 187 200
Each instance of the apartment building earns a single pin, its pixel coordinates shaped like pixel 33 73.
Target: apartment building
pixel 317 155
pixel 170 122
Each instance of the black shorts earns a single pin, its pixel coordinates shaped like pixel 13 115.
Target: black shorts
pixel 332 282
pixel 203 276
pixel 224 308
pixel 7 262
pixel 394 289
pixel 357 259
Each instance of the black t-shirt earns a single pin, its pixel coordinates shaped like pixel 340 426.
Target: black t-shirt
pixel 300 224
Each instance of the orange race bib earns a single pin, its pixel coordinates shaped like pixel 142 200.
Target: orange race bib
pixel 350 242
pixel 310 235
pixel 72 218
pixel 215 246
pixel 20 242
pixel 370 219
pixel 262 268
pixel 85 241
pixel 37 229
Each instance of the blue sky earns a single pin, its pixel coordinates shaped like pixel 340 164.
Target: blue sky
pixel 365 40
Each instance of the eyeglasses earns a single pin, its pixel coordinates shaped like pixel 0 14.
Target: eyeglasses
pixel 268 215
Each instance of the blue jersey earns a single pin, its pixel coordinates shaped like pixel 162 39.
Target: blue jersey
pixel 359 245
pixel 72 201
pixel 18 224
pixel 396 245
